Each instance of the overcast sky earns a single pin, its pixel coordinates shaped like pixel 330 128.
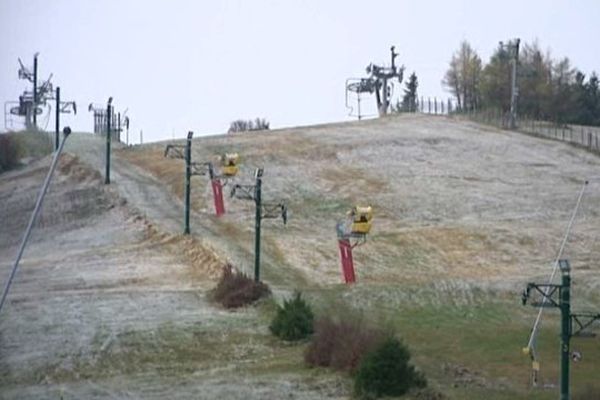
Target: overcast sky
pixel 197 65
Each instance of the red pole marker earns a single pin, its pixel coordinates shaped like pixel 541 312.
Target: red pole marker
pixel 218 197
pixel 347 263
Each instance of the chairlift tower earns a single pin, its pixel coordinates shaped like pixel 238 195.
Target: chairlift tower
pixel 263 210
pixel 185 152
pixel 379 82
pixel 352 232
pixel 559 296
pixel 61 107
pixel 35 101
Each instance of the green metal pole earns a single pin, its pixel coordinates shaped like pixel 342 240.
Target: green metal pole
pixel 565 335
pixel 188 176
pixel 108 115
pixel 257 198
pixel 35 89
pixel 57 130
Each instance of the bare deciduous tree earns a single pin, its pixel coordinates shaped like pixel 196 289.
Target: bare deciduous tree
pixel 463 77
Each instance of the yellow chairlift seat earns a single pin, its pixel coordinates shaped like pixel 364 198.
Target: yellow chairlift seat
pixel 229 164
pixel 361 219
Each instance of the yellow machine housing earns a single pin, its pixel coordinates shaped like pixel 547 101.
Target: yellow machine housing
pixel 361 219
pixel 229 164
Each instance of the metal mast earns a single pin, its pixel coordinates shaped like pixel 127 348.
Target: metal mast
pixel 513 50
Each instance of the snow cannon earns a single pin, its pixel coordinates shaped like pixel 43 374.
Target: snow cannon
pixel 229 164
pixel 352 232
pixel 361 219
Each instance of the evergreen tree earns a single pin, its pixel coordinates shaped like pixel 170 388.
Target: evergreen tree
pixel 496 81
pixel 387 371
pixel 409 100
pixel 587 96
pixel 562 102
pixel 534 81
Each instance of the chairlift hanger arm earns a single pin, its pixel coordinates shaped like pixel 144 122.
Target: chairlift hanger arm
pixel 547 291
pixel 67 106
pixel 582 321
pixel 24 72
pixel 243 192
pixel 275 210
pixel 198 168
pixel 174 151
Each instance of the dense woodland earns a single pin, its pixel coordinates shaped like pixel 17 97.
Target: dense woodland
pixel 549 89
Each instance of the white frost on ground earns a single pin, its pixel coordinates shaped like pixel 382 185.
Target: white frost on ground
pixel 107 304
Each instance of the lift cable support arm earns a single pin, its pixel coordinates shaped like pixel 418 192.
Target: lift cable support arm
pixel 269 210
pixel 548 292
pixel 243 192
pixel 175 151
pixel 198 168
pixel 275 210
pixel 581 322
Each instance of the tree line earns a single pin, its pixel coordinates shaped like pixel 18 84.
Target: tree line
pixel 548 88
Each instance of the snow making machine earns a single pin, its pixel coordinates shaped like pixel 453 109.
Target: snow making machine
pixel 218 180
pixel 352 232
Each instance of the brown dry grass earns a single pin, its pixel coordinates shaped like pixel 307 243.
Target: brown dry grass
pixel 168 170
pixel 205 263
pixel 340 178
pixel 73 167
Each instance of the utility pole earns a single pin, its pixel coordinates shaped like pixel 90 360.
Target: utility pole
pixel 57 127
pixel 514 93
pixel 548 294
pixel 35 94
pixel 188 177
pixel 513 50
pixel 191 168
pixel 62 107
pixel 108 139
pixel 565 329
pixel 258 218
pixel 263 210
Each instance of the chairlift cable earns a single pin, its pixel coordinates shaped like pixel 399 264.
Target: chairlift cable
pixel 534 330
